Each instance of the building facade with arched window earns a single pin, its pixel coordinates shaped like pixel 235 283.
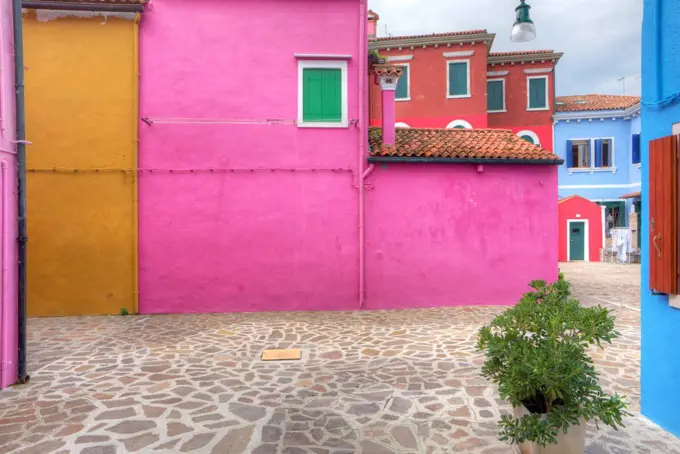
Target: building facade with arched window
pixel 453 80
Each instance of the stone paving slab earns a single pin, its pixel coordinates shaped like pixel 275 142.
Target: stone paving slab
pixel 368 382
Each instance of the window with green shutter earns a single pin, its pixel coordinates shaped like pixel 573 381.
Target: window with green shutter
pixel 459 84
pixel 322 95
pixel 495 96
pixel 403 85
pixel 538 93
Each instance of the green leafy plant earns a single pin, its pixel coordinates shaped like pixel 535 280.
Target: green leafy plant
pixel 124 311
pixel 536 354
pixel 375 58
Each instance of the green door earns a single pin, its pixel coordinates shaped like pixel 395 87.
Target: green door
pixel 577 241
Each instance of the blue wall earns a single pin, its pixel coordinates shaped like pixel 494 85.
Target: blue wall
pixel 660 323
pixel 613 184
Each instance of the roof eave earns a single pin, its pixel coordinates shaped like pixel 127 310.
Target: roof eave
pixel 487 38
pixel 425 160
pixel 626 114
pixel 553 56
pixel 78 6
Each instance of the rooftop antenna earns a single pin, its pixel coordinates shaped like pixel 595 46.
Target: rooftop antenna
pixel 623 79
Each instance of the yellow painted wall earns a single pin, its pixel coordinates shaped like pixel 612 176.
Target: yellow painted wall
pixel 81 114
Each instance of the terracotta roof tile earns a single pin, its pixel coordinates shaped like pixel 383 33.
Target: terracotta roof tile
pixel 632 195
pixel 524 52
pixel 388 70
pixel 433 35
pixel 595 102
pixel 473 144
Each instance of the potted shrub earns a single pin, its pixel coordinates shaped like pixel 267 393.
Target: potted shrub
pixel 536 354
pixel 374 58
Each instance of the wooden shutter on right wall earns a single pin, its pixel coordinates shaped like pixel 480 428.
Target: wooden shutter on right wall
pixel 663 215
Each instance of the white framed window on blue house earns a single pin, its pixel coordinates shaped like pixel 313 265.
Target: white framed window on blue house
pixel 591 155
pixel 495 95
pixel 537 93
pixel 403 92
pixel 458 79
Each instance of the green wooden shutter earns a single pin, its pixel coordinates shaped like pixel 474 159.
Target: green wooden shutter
pixel 322 95
pixel 537 93
pixel 402 86
pixel 495 95
pixel 458 79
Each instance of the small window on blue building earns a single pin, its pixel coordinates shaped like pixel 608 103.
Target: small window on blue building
pixel 578 153
pixel 604 153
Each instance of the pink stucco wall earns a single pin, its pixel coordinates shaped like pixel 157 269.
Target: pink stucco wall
pixel 253 216
pixel 451 235
pixel 8 203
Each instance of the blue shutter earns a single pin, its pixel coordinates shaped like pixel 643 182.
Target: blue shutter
pixel 636 148
pixel 402 86
pixel 458 79
pixel 598 152
pixel 570 154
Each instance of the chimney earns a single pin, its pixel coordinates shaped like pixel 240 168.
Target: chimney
pixel 388 78
pixel 372 24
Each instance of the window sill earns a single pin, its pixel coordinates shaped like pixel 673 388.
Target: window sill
pixel 323 125
pixel 458 96
pixel 638 166
pixel 537 109
pixel 496 111
pixel 591 169
pixel 402 99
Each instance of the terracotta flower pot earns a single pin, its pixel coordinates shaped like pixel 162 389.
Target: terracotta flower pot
pixel 573 442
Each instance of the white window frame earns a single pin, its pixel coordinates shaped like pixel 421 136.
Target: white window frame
pixel 487 94
pixel 462 123
pixel 408 81
pixel 612 152
pixel 323 64
pixel 531 134
pixel 448 78
pixel 592 168
pixel 547 92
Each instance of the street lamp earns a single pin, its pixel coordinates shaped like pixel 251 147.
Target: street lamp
pixel 524 29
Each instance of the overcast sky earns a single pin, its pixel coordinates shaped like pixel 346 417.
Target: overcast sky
pixel 600 38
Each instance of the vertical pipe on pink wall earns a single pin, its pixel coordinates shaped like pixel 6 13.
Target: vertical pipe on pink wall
pixel 3 276
pixel 363 141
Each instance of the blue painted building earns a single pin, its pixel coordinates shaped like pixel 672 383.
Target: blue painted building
pixel 598 136
pixel 660 372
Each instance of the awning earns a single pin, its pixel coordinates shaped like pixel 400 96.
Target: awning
pixel 632 195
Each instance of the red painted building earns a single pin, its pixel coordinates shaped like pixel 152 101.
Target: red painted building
pixel 454 80
pixel 580 229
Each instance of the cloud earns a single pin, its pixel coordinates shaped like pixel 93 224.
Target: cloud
pixel 600 38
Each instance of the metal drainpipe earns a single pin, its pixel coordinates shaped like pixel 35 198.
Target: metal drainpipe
pixel 363 141
pixel 21 177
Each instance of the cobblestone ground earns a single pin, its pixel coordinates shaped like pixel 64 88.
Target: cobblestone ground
pixel 369 382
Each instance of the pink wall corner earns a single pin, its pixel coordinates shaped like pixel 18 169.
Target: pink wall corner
pixel 268 219
pixel 8 204
pixel 448 235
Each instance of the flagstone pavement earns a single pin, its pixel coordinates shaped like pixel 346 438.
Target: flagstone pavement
pixel 368 382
